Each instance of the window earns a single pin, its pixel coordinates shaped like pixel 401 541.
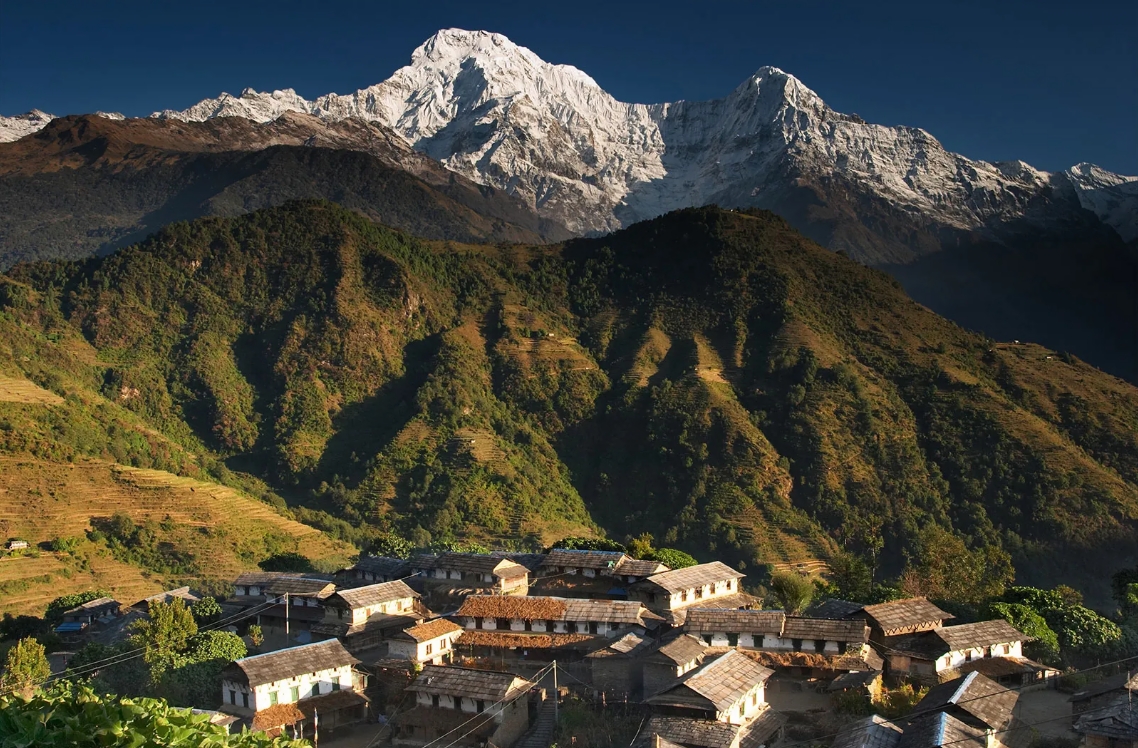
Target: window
pixel 819 645
pixel 481 706
pixel 335 685
pixel 435 701
pixel 294 694
pixel 245 699
pixel 315 689
pixel 707 638
pixel 529 625
pixel 430 647
pixel 797 644
pixel 732 640
pixel 504 623
pixel 232 696
pixel 968 656
pixel 592 627
pixel 550 625
pixel 272 698
pixel 477 623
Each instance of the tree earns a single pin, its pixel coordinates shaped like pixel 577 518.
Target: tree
pixel 26 667
pixel 1078 628
pixel 60 605
pixel 290 561
pixel 793 592
pixel 1045 645
pixel 196 678
pixel 850 578
pixel 206 611
pixel 640 546
pixel 164 635
pixel 256 635
pixel 672 558
pixel 944 568
pixel 588 544
pixel 389 545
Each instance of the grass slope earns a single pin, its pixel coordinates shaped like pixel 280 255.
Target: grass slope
pixel 711 377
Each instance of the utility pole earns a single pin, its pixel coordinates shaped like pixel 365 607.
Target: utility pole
pixel 286 619
pixel 556 696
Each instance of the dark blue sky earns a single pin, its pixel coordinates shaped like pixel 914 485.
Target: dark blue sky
pixel 1052 83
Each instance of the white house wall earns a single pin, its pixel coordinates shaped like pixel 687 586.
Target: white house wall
pixel 304 683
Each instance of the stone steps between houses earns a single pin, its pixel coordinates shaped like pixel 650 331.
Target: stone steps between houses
pixel 540 734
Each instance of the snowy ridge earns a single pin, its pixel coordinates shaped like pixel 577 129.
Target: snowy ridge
pixel 14 128
pixel 497 113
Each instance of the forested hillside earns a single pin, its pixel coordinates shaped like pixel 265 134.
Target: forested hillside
pixel 710 377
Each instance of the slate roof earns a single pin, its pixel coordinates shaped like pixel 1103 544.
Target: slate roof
pixel 998 667
pixel 302 586
pixel 93 605
pixel 167 596
pixel 797 627
pixel 681 650
pixel 982 634
pixel 1117 720
pixel 853 680
pixel 623 647
pixel 663 731
pixel 373 594
pixel 330 702
pixel 871 732
pixel 478 726
pixel 484 685
pixel 898 614
pixel 942 729
pixel 382 565
pixel 867 660
pixel 634 567
pixel 470 563
pixel 531 561
pixel 716 620
pixel 262 578
pixel 285 663
pixel 425 632
pixel 721 683
pixel 692 576
pixel 1120 682
pixel 834 608
pixel 555 609
pixel 979 697
pixel 601 560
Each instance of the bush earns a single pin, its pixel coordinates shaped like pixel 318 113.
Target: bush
pixel 293 562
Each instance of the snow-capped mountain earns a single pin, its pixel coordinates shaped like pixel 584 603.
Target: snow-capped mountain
pixel 497 113
pixel 14 128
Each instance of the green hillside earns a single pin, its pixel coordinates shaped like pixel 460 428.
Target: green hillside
pixel 710 377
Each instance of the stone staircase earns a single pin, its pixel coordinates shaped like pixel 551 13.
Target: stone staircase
pixel 540 734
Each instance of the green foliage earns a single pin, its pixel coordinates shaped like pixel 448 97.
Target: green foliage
pixel 289 561
pixel 1045 646
pixel 945 568
pixel 53 615
pixel 25 667
pixel 792 592
pixel 65 545
pixel 850 578
pixel 164 635
pixel 256 635
pixel 588 544
pixel 1077 628
pixel 672 558
pixel 894 703
pixel 389 545
pixel 74 716
pixel 206 611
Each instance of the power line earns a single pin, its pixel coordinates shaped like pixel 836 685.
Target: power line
pixel 537 677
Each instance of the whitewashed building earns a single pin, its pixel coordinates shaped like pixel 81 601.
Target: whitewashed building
pixel 432 641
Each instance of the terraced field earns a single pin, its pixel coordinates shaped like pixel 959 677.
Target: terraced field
pixel 222 530
pixel 18 390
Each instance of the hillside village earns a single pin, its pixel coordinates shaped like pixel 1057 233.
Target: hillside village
pixel 486 649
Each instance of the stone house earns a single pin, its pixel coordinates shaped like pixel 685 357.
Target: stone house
pixel 78 621
pixel 432 641
pixel 472 570
pixel 616 669
pixel 730 688
pixel 664 731
pixel 900 618
pixel 1111 725
pixel 943 730
pixel 982 706
pixel 284 688
pixel 673 592
pixel 670 662
pixel 872 732
pixel 463 707
pixel 168 596
pixel 931 655
pixel 369 569
pixel 584 563
pixel 1100 693
pixel 364 617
